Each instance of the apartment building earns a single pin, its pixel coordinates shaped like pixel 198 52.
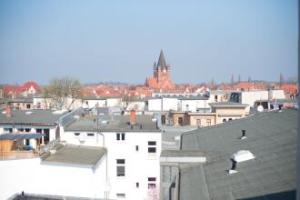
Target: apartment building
pixel 133 144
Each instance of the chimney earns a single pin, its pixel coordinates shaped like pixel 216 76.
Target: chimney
pixel 243 135
pixel 132 117
pixel 8 111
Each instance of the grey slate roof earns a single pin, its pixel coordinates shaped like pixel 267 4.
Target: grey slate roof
pixel 116 124
pixel 271 137
pixel 14 136
pixel 181 153
pixel 76 155
pixel 37 117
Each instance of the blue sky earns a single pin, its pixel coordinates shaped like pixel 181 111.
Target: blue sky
pixel 119 40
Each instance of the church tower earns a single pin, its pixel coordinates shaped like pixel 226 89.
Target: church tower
pixel 161 74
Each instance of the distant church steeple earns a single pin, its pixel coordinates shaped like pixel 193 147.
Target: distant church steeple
pixel 161 61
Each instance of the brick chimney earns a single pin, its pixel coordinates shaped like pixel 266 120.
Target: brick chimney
pixel 132 117
pixel 8 111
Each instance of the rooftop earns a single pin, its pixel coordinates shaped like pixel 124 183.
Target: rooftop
pixel 75 155
pixel 228 105
pixel 271 137
pixel 118 123
pixel 31 117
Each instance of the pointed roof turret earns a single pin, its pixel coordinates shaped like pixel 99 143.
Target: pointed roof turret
pixel 161 60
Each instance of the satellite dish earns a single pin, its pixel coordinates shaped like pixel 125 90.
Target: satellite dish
pixel 260 108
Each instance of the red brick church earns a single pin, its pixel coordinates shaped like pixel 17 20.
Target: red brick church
pixel 161 78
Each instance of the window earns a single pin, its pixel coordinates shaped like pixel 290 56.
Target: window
pixel 137 184
pixel 120 167
pixel 121 195
pixel 20 129
pixel 151 182
pixel 151 147
pixel 27 130
pixel 224 120
pixel 198 122
pixel 8 130
pixel 120 136
pixel 137 147
pixel 28 106
pixel 208 122
pixel 90 134
pixel 76 134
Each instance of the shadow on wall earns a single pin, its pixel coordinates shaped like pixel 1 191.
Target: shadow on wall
pixel 287 195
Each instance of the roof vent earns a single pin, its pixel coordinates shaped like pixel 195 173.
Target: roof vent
pixel 243 135
pixel 28 112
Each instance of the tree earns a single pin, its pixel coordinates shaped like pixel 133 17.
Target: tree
pixel 62 89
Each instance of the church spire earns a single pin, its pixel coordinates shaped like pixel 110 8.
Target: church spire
pixel 161 60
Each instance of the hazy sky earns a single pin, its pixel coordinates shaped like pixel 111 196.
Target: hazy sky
pixel 119 40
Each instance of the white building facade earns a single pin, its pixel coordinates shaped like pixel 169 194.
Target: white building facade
pixel 132 158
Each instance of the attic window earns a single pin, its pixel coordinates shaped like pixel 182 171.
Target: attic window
pixel 76 134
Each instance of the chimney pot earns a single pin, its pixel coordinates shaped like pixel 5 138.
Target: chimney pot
pixel 132 117
pixel 8 111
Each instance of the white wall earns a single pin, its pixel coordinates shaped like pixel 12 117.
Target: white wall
pixel 170 104
pixel 193 104
pixel 137 105
pixel 277 94
pixel 154 104
pixel 29 175
pixel 93 102
pixel 83 138
pixel 139 165
pixel 112 102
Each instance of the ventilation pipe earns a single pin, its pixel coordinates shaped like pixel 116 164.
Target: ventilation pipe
pixel 243 135
pixel 233 170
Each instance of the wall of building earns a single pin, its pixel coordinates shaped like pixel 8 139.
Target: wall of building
pixel 170 104
pixel 154 104
pixel 139 164
pixel 193 105
pixel 91 103
pixel 112 102
pixel 29 175
pixel 205 120
pixel 229 113
pixel 42 103
pixel 84 138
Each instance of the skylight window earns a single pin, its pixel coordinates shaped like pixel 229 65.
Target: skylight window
pixel 242 155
